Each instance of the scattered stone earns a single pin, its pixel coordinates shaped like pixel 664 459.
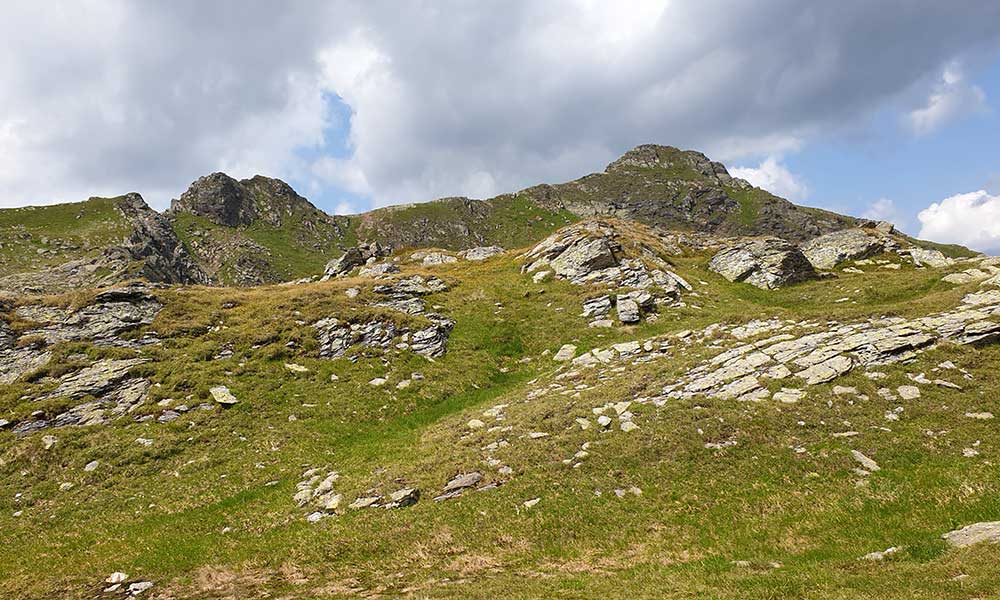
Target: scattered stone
pixel 91 466
pixel 139 587
pixel 881 555
pixel 116 577
pixel 789 395
pixel 223 396
pixel 403 498
pixel 865 462
pixel 296 368
pixel 565 353
pixel 49 442
pixel 628 310
pixel 531 503
pixel 481 253
pixel 378 381
pixel 974 534
pixel 982 416
pixel 475 424
pixel 908 392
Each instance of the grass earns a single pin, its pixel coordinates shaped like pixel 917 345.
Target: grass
pixel 35 237
pixel 196 512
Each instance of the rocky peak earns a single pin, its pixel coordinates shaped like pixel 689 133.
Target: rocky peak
pixel 232 203
pixel 652 156
pixel 219 198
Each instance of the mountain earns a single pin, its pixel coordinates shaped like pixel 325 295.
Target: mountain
pixel 255 231
pixel 259 230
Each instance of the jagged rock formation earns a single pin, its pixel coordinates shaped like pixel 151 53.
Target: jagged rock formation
pixel 767 263
pixel 614 255
pixel 354 257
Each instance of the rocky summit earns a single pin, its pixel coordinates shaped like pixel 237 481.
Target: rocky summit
pixel 653 381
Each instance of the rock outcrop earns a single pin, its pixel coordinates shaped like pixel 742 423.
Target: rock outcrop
pixel 767 263
pixel 827 251
pixel 614 255
pixel 357 256
pixel 112 313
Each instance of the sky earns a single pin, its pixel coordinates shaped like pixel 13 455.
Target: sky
pixel 880 109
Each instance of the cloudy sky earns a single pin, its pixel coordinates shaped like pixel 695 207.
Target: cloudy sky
pixel 885 109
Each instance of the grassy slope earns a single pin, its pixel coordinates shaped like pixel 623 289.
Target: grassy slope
pixel 508 221
pixel 159 512
pixel 292 252
pixel 80 228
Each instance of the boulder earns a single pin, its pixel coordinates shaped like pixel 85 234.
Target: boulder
pixel 923 257
pixel 974 534
pixel 354 257
pixel 827 251
pixel 767 263
pixel 481 252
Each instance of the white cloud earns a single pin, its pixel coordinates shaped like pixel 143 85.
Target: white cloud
pixel 952 98
pixel 884 209
pixel 773 177
pixel 971 219
pixel 452 98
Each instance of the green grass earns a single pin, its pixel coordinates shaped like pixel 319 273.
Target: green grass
pixel 159 512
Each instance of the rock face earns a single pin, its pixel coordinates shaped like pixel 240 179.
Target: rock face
pixel 336 337
pixel 154 244
pixel 611 254
pixel 352 258
pixel 226 201
pixel 827 251
pixel 767 263
pixel 113 312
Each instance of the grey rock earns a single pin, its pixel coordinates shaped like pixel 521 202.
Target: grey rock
pixel 482 252
pixel 767 263
pixel 827 251
pixel 463 481
pixel 223 396
pixel 628 310
pixel 974 534
pixel 403 498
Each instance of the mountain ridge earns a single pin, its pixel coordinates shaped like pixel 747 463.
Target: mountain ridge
pixel 260 230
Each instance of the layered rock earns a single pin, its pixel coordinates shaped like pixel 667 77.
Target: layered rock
pixel 112 313
pixel 767 263
pixel 337 337
pixel 827 251
pixel 357 256
pixel 613 255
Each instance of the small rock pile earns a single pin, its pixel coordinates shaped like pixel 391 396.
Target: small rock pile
pixel 336 337
pixel 595 253
pixel 362 254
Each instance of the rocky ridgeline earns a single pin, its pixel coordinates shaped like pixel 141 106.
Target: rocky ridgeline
pixel 599 253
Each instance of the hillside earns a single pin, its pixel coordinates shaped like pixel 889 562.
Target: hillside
pixel 598 413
